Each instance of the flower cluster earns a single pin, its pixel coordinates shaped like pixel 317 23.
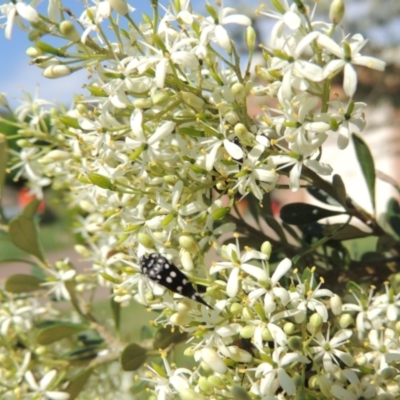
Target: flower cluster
pixel 154 157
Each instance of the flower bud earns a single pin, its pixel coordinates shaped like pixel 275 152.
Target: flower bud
pixel 213 360
pixel 189 244
pixel 216 382
pixel 205 385
pixel 231 117
pixel 235 308
pixel 33 52
pixel 82 250
pixel 100 180
pixel 143 103
pixel 289 328
pixel 346 320
pixel 220 213
pixel 315 322
pixel 146 240
pixel 389 373
pixel 266 335
pixel 186 260
pixel 193 101
pixel 247 331
pixel 238 90
pixel 120 6
pixel 68 30
pixel 325 386
pixel 250 38
pixel 190 394
pixel 55 156
pixel 336 304
pixel 266 248
pixel 180 319
pixel 336 11
pixel 56 71
pixel 313 382
pixel 247 313
pixel 24 143
pixel 360 359
pixel 295 343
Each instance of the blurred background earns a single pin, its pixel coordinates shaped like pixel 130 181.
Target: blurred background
pixel 377 20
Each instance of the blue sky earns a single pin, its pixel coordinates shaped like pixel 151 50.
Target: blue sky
pixel 16 75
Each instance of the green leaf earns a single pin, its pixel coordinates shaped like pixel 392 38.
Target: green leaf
pixel 23 283
pixel 347 233
pixel 166 336
pixel 132 357
pixel 388 179
pixel 30 209
pixel 240 393
pixel 3 160
pixel 322 196
pixel 366 162
pixel 191 132
pixel 302 213
pixel 23 234
pixel 340 189
pixel 59 330
pixel 394 221
pixel 77 383
pixel 116 313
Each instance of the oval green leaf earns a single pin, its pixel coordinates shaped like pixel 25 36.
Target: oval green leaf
pixel 367 165
pixel 58 331
pixel 30 209
pixel 23 234
pixel 165 336
pixel 77 383
pixel 302 213
pixel 340 189
pixel 132 357
pixel 22 283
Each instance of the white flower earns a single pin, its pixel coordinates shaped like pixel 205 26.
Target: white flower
pixel 356 390
pixel 345 61
pixel 41 389
pixel 254 176
pixel 327 349
pixel 18 11
pixel 269 371
pixel 215 30
pixel 235 262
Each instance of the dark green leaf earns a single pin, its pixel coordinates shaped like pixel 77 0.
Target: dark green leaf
pixel 21 283
pixel 394 222
pixel 116 312
pixel 58 331
pixel 302 213
pixel 385 243
pixel 340 189
pixel 393 206
pixel 322 196
pixel 348 232
pixel 145 333
pixel 132 357
pixel 23 234
pixel 353 287
pixel 366 162
pixel 166 336
pixel 77 383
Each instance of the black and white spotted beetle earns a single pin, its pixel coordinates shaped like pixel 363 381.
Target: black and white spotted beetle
pixel 156 267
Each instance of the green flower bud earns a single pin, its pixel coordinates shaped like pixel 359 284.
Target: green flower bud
pixel 190 394
pixel 266 248
pixel 389 373
pixel 247 331
pixel 240 393
pixel 315 322
pixel 397 326
pixel 213 360
pixel 193 101
pixel 82 250
pixel 295 343
pixel 68 30
pixel 56 71
pixel 345 320
pixel 289 328
pixel 336 11
pixel 325 386
pixel 219 214
pixel 266 335
pixel 313 382
pixel 238 90
pixel 146 240
pixel 160 97
pixel 360 359
pixel 24 143
pixel 231 117
pixel 189 244
pixel 205 385
pixel 41 350
pixel 250 38
pixel 235 308
pixel 186 260
pixel 143 103
pixel 100 180
pixel 216 382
